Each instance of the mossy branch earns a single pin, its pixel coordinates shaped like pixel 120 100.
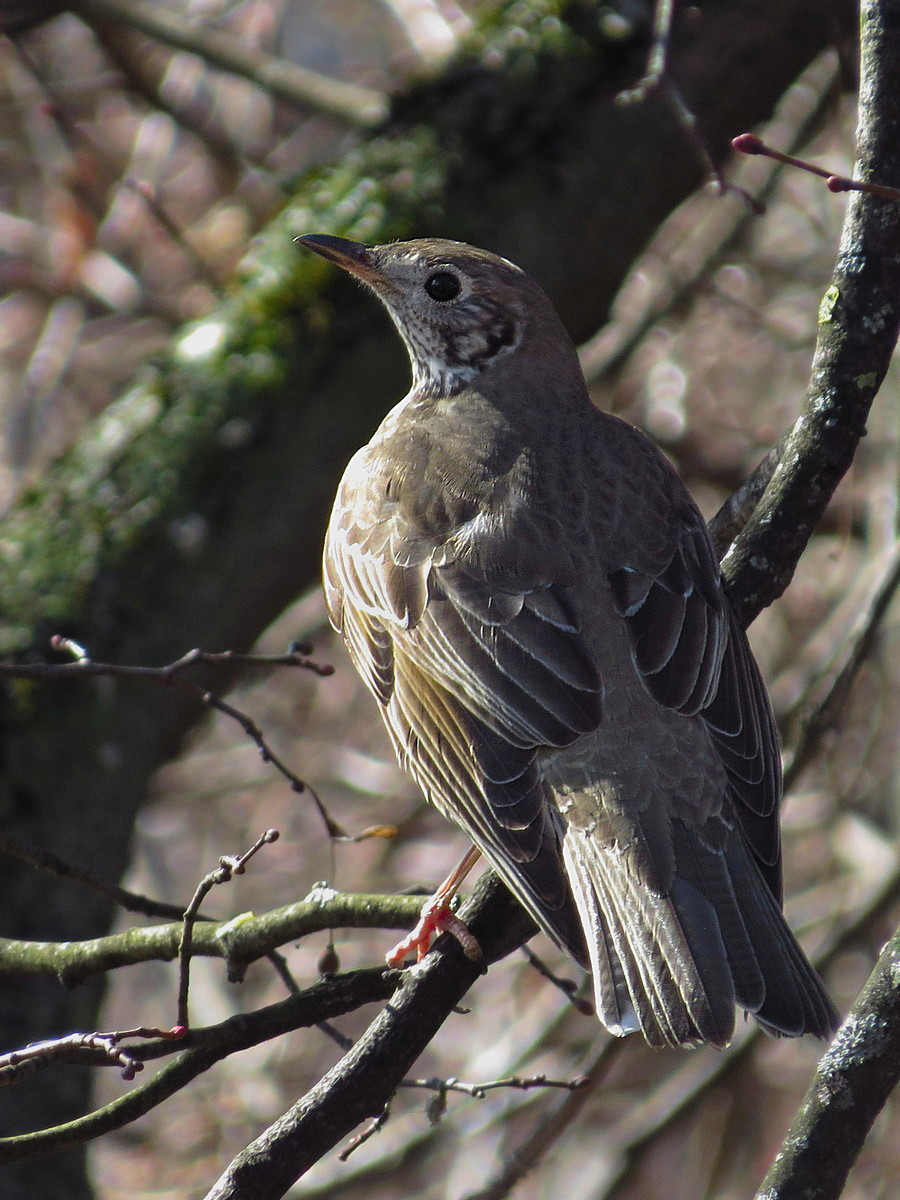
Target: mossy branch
pixel 240 940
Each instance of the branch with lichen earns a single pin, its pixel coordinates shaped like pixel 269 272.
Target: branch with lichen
pixel 851 1085
pixel 240 940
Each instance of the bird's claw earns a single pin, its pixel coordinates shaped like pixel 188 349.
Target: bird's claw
pixel 436 918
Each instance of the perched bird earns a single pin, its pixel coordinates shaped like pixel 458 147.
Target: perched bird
pixel 531 595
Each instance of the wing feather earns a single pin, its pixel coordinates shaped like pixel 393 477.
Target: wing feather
pixel 693 656
pixel 474 678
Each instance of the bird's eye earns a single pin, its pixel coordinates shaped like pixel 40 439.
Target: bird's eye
pixel 442 285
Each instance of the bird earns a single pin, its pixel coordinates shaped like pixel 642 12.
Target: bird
pixel 531 595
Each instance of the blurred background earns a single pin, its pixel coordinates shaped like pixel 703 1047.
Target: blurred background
pixel 133 178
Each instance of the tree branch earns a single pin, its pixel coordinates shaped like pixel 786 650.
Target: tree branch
pixel 859 319
pixel 241 940
pixel 330 998
pixel 365 1079
pixel 849 1090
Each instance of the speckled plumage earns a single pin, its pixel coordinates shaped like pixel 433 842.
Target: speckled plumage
pixel 530 593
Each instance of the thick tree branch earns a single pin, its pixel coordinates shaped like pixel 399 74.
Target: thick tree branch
pixel 849 1090
pixel 365 1079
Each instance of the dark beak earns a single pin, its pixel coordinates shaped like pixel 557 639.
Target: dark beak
pixel 354 257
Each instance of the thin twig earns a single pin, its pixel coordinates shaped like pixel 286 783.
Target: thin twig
pixel 83 664
pixel 205 1047
pixel 229 866
pixel 550 1130
pixel 478 1091
pixel 676 261
pixel 134 902
pixel 657 59
pixel 363 1136
pixel 568 987
pixel 18 1064
pixel 749 143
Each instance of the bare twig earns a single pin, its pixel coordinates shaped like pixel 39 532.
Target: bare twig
pixel 18 1064
pixel 43 860
pixel 675 261
pixel 749 143
pixel 548 1133
pixel 568 987
pixel 655 70
pixel 172 674
pixel 324 1000
pixel 478 1091
pixel 656 78
pixel 349 102
pixel 363 1136
pixel 229 866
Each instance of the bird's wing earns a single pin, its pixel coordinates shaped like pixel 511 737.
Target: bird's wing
pixel 692 656
pixel 476 658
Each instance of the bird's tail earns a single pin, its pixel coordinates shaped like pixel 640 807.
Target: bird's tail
pixel 674 966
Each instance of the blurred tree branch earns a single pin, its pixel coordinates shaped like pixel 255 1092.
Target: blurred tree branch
pixel 347 101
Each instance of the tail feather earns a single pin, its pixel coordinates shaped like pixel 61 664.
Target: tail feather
pixel 795 1000
pixel 672 990
pixel 675 965
pixel 612 997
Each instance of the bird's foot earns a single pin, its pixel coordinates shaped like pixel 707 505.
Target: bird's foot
pixel 437 917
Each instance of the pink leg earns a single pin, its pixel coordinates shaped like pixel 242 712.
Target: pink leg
pixel 437 917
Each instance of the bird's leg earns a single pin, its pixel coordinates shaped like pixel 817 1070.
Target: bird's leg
pixel 437 917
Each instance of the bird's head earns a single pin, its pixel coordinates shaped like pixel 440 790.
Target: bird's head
pixel 461 311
